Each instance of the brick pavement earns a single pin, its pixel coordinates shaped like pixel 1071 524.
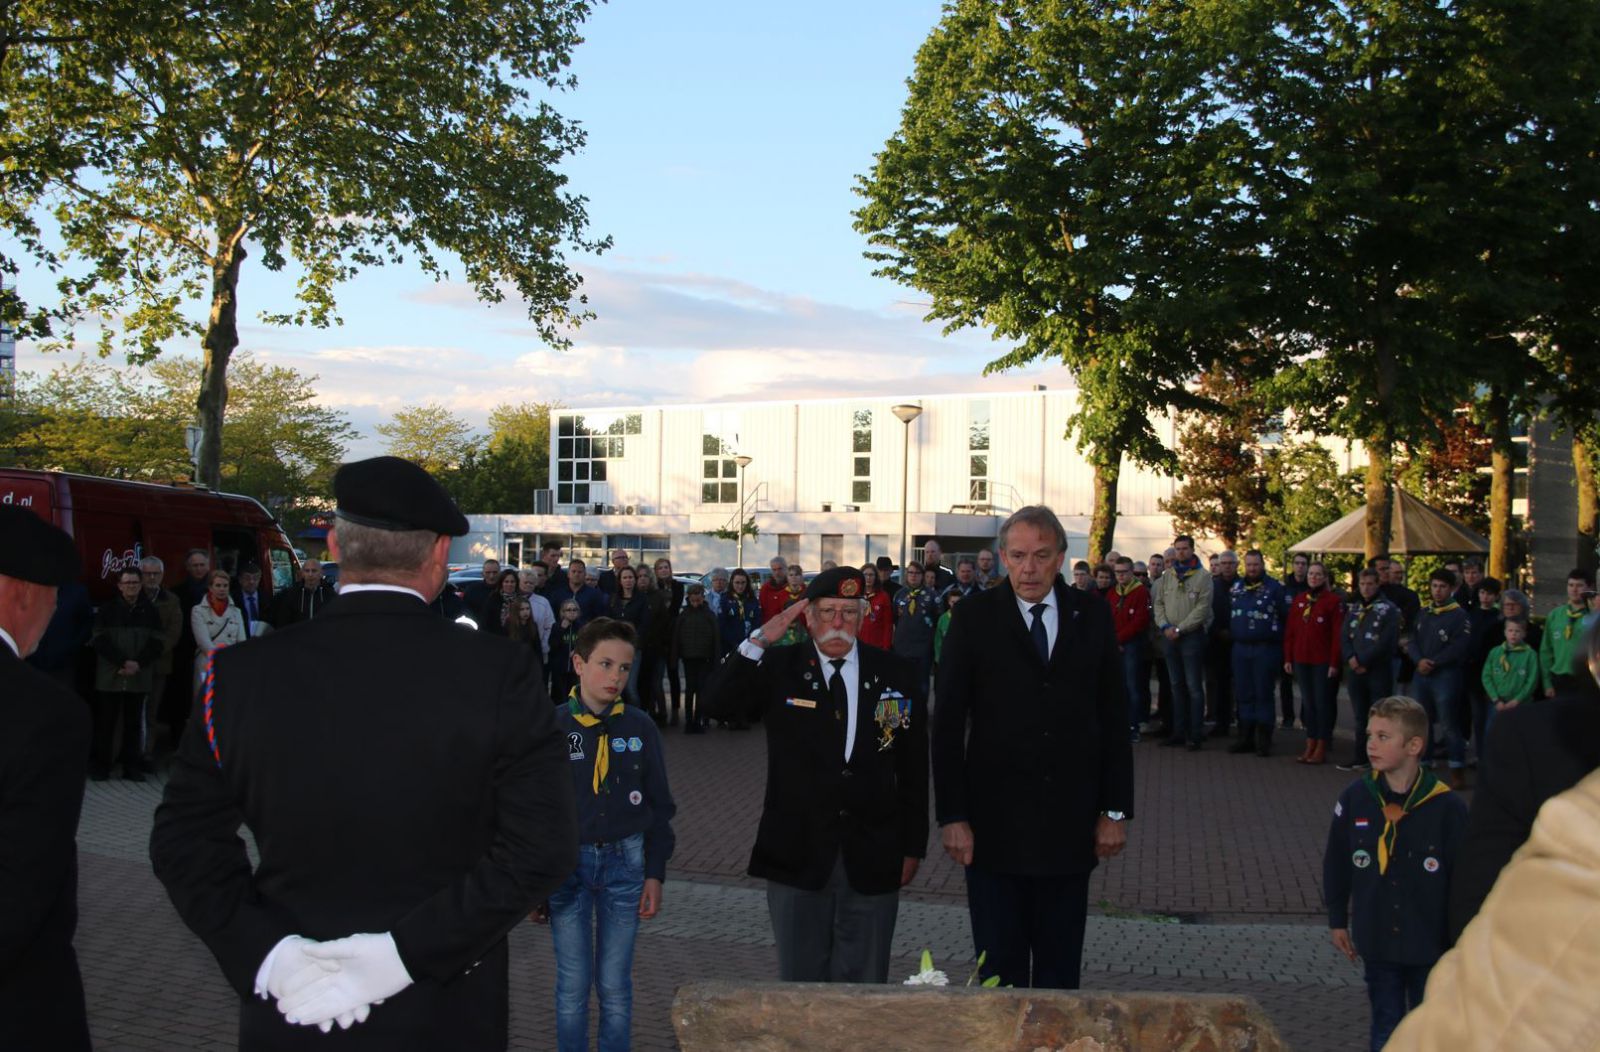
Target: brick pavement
pixel 1231 842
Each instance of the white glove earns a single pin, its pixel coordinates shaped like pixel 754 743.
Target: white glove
pixel 368 969
pixel 286 964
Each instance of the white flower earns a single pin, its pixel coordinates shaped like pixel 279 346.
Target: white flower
pixel 929 977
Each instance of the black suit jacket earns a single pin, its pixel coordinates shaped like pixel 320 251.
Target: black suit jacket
pixel 1026 752
pixel 43 755
pixel 873 810
pixel 400 774
pixel 1534 752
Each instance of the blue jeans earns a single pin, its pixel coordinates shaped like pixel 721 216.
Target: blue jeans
pixel 1393 990
pixel 1186 665
pixel 605 888
pixel 1138 685
pixel 1441 693
pixel 1317 699
pixel 1366 689
pixel 1256 667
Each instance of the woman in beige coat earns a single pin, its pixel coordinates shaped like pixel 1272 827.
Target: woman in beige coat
pixel 215 622
pixel 1523 975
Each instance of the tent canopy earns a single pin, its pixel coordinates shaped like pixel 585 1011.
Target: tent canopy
pixel 1414 529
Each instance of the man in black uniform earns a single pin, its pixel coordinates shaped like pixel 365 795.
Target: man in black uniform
pixel 404 780
pixel 1032 770
pixel 846 818
pixel 43 758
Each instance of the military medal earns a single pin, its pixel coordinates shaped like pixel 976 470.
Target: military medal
pixel 892 714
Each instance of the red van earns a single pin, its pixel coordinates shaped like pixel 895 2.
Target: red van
pixel 117 523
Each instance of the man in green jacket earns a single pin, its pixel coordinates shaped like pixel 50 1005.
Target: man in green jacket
pixel 1563 632
pixel 1182 611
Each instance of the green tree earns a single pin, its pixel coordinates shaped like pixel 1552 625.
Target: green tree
pixel 338 136
pixel 89 416
pixel 1064 176
pixel 1305 492
pixel 503 475
pixel 1220 459
pixel 432 436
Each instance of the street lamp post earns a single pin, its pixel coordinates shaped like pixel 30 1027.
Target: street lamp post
pixel 905 414
pixel 738 544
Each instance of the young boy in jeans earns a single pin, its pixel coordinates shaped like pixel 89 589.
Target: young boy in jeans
pixel 624 840
pixel 1386 873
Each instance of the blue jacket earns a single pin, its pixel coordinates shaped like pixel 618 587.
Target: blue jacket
pixel 634 797
pixel 1441 636
pixel 592 602
pixel 737 619
pixel 1399 916
pixel 1256 613
pixel 1371 631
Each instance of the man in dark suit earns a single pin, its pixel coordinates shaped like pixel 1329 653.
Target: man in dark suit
pixel 1032 770
pixel 43 759
pixel 406 787
pixel 1534 751
pixel 846 818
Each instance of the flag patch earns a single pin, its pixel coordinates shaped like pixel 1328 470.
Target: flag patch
pixel 1362 823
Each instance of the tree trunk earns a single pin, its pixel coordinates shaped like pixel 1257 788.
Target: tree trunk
pixel 1500 478
pixel 1103 522
pixel 1588 500
pixel 1380 497
pixel 222 336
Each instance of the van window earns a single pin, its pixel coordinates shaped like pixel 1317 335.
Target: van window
pixel 282 569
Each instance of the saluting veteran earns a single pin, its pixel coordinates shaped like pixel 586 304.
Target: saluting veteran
pixel 44 755
pixel 1032 770
pixel 845 822
pixel 406 786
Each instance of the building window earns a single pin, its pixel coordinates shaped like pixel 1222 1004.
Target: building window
pixel 583 445
pixel 833 548
pixel 861 457
pixel 719 444
pixel 789 547
pixel 978 453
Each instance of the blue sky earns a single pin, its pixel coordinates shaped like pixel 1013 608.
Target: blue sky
pixel 723 143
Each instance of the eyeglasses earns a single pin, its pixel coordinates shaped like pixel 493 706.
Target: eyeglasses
pixel 839 613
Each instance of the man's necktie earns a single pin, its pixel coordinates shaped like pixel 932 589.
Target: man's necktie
pixel 1041 638
pixel 841 697
pixel 250 611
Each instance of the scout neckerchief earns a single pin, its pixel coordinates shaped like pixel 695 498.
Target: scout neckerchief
pixel 1127 589
pixel 1574 616
pixel 1426 788
pixel 1251 586
pixel 1185 570
pixel 1505 666
pixel 1445 609
pixel 602 751
pixel 1312 596
pixel 1365 607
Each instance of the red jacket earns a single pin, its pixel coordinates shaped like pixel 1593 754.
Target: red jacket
pixel 773 597
pixel 1130 613
pixel 877 629
pixel 1312 629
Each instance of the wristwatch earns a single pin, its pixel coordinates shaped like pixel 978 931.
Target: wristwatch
pixel 1115 816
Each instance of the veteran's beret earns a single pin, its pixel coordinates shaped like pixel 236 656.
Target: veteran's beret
pixel 388 493
pixel 34 550
pixel 841 582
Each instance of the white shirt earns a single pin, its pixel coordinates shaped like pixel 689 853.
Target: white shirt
pixel 1051 616
pixel 850 670
pixel 5 637
pixel 543 616
pixel 352 589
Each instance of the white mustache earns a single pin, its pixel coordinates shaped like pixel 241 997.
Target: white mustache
pixel 834 635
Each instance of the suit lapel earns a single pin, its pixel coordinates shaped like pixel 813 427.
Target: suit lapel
pixel 1067 614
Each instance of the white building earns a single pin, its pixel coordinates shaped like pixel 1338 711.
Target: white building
pixel 824 481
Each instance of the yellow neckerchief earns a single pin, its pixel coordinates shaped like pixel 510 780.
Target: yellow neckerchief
pixel 1426 788
pixel 1312 596
pixel 1127 590
pixel 1445 609
pixel 1250 585
pixel 1507 648
pixel 602 749
pixel 1574 616
pixel 1365 609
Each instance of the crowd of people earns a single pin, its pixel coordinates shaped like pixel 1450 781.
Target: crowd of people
pixel 399 844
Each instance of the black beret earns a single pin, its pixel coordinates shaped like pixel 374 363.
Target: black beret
pixel 387 493
pixel 34 550
pixel 841 582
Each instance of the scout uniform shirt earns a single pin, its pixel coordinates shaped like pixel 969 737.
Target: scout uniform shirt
pixel 619 779
pixel 1513 673
pixel 1563 631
